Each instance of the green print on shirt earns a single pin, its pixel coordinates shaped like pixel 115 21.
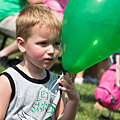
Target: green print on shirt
pixel 23 116
pixel 42 101
pixel 49 119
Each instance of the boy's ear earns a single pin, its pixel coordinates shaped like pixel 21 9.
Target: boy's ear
pixel 21 44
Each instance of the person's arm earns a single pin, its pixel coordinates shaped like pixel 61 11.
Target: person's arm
pixel 70 110
pixel 5 95
pixel 35 1
pixel 60 107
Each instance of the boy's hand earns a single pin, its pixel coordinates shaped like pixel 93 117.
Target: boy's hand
pixel 69 88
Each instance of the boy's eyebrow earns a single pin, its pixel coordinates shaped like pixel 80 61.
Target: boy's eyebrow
pixel 57 40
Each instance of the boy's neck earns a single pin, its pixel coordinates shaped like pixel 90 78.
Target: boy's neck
pixel 33 72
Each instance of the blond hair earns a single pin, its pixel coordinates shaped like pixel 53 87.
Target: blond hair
pixel 36 14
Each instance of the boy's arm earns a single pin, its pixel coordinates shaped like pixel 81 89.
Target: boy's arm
pixel 5 95
pixel 60 107
pixel 35 1
pixel 70 109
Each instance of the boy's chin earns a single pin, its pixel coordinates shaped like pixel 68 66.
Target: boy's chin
pixel 48 67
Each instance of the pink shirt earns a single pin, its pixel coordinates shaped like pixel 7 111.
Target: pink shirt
pixel 57 5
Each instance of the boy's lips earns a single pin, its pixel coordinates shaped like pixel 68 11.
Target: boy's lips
pixel 48 59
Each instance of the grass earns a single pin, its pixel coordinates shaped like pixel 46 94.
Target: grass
pixel 86 109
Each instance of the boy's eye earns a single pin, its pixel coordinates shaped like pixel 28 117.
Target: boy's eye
pixel 42 43
pixel 45 44
pixel 57 43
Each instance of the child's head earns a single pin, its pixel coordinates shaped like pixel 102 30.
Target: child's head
pixel 36 14
pixel 38 30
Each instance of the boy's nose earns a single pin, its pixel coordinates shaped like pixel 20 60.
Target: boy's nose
pixel 51 49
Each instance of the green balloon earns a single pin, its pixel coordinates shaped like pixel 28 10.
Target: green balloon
pixel 118 51
pixel 90 33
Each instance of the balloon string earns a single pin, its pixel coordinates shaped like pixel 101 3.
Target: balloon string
pixel 62 73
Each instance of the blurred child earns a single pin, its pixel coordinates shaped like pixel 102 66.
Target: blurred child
pixel 28 90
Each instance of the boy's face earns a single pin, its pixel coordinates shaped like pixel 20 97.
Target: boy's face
pixel 42 48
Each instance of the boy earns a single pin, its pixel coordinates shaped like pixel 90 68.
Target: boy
pixel 28 91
